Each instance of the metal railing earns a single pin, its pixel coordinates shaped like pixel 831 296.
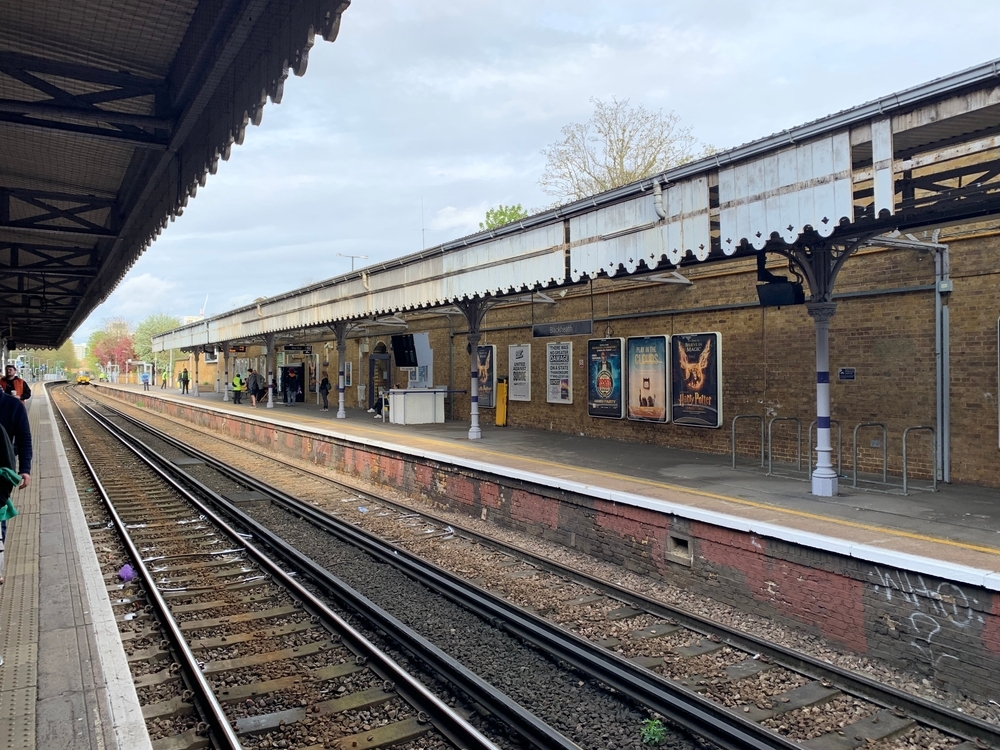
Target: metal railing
pixel 798 435
pixel 934 466
pixel 736 419
pixel 840 445
pixel 885 452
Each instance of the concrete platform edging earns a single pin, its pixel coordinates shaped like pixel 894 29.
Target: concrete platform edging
pixel 123 702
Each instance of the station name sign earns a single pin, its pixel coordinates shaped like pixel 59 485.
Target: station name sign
pixel 570 328
pixel 304 348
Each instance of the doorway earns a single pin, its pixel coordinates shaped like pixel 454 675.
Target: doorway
pixel 379 376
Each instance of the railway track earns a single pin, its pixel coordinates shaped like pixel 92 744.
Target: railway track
pixel 810 703
pixel 228 649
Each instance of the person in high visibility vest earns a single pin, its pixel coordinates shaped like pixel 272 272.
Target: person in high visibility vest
pixel 237 389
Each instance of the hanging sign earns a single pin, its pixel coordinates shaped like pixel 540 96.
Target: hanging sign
pixel 559 373
pixel 237 349
pixel 519 368
pixel 605 378
pixel 696 379
pixel 486 358
pixel 647 378
pixel 304 348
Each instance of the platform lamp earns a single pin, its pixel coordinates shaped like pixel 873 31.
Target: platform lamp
pixel 777 291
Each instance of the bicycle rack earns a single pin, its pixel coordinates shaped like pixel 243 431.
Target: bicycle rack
pixel 885 451
pixel 933 458
pixel 840 445
pixel 798 431
pixel 737 418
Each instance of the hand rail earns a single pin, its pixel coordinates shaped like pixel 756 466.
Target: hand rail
pixel 840 445
pixel 885 451
pixel 933 457
pixel 749 416
pixel 798 431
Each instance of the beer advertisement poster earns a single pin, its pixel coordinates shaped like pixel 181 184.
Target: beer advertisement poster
pixel 696 379
pixel 486 358
pixel 519 367
pixel 647 378
pixel 559 373
pixel 605 394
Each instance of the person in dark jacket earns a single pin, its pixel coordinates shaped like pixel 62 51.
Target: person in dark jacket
pixel 14 420
pixel 291 386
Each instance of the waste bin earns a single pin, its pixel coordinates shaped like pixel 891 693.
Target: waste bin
pixel 501 402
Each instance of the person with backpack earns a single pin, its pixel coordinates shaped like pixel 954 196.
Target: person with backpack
pixel 237 389
pixel 324 391
pixel 184 379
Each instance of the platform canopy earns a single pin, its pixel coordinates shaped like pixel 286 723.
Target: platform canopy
pixel 926 156
pixel 112 113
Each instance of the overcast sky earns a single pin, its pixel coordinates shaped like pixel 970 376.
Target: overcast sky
pixel 423 114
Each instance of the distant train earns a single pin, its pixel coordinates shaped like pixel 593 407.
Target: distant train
pixel 83 378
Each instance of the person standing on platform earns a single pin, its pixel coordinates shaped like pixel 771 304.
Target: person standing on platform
pixel 14 385
pixel 237 389
pixel 145 381
pixel 258 388
pixel 14 441
pixel 324 391
pixel 184 379
pixel 291 387
pixel 163 385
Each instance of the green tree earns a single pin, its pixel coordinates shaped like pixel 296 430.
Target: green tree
pixel 620 144
pixel 143 338
pixel 497 217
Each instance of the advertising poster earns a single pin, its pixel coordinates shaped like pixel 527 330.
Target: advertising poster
pixel 486 357
pixel 519 363
pixel 605 393
pixel 696 379
pixel 559 373
pixel 348 374
pixel 647 378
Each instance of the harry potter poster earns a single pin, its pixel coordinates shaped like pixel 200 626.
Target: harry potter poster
pixel 604 388
pixel 696 376
pixel 647 378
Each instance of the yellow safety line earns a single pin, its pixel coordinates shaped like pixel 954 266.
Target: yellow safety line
pixel 715 496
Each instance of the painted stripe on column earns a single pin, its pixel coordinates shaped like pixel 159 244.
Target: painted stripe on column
pixel 823 423
pixel 822 377
pixel 475 399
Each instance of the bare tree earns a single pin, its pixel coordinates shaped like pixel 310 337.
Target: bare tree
pixel 618 145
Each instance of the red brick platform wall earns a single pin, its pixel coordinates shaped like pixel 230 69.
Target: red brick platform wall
pixel 947 632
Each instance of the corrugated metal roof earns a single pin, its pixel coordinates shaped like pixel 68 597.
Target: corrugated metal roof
pixel 112 112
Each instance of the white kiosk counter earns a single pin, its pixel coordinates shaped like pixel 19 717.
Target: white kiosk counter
pixel 416 405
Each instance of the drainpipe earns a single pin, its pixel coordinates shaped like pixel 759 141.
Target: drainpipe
pixel 658 200
pixel 942 357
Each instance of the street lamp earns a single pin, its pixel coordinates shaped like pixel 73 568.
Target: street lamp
pixel 352 257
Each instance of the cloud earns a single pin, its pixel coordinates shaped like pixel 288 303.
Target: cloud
pixel 139 296
pixel 462 220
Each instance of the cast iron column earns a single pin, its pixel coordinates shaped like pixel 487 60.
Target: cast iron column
pixel 225 383
pixel 475 433
pixel 824 477
pixel 197 355
pixel 340 330
pixel 269 355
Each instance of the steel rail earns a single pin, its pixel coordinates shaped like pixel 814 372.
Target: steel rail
pixel 219 724
pixel 449 723
pixel 925 711
pixel 685 708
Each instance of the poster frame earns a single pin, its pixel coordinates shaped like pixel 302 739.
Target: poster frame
pixel 348 374
pixel 718 380
pixel 601 412
pixel 550 347
pixel 491 384
pixel 633 372
pixel 512 393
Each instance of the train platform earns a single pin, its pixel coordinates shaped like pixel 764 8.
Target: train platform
pixel 65 682
pixel 952 534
